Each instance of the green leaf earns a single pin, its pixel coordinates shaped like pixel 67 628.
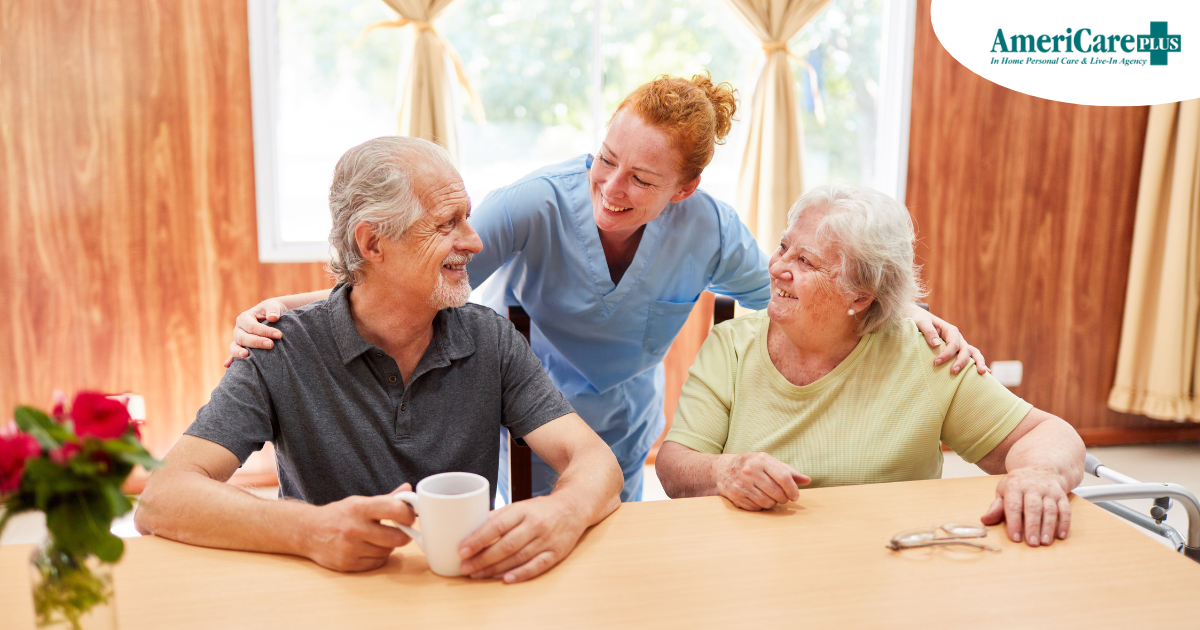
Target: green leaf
pixel 120 446
pixel 80 524
pixel 117 500
pixel 38 425
pixel 27 418
pixel 109 548
pixel 142 458
pixel 49 481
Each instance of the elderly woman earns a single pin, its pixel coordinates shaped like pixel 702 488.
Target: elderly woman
pixel 608 254
pixel 833 385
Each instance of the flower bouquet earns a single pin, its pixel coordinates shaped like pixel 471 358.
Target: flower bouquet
pixel 70 464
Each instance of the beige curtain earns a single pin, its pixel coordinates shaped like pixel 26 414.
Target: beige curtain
pixel 771 177
pixel 427 105
pixel 1157 371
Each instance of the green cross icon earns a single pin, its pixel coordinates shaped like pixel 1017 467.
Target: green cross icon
pixel 1157 43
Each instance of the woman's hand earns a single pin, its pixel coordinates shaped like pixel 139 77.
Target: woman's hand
pixel 757 481
pixel 249 333
pixel 1033 502
pixel 937 329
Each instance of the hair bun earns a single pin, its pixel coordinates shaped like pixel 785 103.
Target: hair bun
pixel 724 101
pixel 695 114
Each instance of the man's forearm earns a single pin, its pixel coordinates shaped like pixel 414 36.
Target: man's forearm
pixel 686 473
pixel 192 508
pixel 592 484
pixel 1052 445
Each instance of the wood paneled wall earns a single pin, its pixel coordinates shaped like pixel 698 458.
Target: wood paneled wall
pixel 127 238
pixel 1025 210
pixel 128 233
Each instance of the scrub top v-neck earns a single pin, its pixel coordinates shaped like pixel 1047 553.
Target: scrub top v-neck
pixel 603 343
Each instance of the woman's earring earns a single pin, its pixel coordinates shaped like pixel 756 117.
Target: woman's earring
pixel 850 312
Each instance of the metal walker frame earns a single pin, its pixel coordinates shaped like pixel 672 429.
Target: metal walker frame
pixel 1164 495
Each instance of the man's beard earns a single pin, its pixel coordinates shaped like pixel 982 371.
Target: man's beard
pixel 451 294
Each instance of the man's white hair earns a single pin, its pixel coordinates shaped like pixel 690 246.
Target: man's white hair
pixel 873 236
pixel 373 182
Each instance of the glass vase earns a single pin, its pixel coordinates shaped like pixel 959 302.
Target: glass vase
pixel 71 592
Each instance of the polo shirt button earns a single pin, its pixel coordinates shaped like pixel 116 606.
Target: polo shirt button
pixel 392 378
pixel 377 354
pixel 401 406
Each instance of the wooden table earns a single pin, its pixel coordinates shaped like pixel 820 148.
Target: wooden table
pixel 696 563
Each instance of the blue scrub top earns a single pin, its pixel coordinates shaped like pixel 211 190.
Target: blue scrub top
pixel 603 344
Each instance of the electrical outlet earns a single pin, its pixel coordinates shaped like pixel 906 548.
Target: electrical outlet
pixel 1009 373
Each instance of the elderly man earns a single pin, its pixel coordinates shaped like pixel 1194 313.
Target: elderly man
pixel 391 379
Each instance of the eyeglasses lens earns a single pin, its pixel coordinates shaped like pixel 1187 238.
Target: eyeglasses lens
pixel 965 531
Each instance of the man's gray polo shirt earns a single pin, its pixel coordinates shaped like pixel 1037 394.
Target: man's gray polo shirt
pixel 344 423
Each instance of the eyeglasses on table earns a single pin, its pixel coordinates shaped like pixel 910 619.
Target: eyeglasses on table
pixel 948 534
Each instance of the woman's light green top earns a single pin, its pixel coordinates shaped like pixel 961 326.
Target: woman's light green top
pixel 880 415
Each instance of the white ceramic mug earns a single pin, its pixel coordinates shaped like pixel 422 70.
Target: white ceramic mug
pixel 451 506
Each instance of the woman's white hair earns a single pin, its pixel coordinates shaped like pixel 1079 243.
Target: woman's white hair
pixel 373 182
pixel 873 236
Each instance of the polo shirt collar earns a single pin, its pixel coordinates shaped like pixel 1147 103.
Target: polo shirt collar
pixel 350 344
pixel 451 335
pixel 450 342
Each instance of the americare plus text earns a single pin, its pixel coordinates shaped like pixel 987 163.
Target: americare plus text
pixel 1078 43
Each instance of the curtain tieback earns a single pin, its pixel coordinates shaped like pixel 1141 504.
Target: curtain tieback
pixel 460 70
pixel 818 103
pixel 770 47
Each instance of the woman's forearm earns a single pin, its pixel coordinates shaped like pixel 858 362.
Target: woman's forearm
pixel 684 472
pixel 300 299
pixel 1052 445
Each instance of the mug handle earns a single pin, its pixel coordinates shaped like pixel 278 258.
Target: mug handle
pixel 410 498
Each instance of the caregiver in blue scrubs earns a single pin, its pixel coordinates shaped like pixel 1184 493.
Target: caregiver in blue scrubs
pixel 608 254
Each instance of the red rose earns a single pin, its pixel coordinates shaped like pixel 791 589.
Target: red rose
pixel 61 454
pixel 14 450
pixel 99 416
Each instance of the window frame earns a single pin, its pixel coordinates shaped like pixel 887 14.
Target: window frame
pixel 895 107
pixel 892 139
pixel 263 21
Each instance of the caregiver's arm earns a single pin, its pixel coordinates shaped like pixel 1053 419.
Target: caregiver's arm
pixel 502 231
pixel 1042 460
pixel 250 332
pixel 752 481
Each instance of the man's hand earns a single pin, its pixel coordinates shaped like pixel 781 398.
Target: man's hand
pixel 757 481
pixel 1033 503
pixel 936 330
pixel 522 540
pixel 249 332
pixel 347 535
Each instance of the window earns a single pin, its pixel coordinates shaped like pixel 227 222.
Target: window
pixel 548 75
pixel 858 56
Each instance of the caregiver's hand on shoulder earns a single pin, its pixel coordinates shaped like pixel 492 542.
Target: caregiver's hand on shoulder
pixel 522 540
pixel 937 330
pixel 1033 502
pixel 249 332
pixel 757 481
